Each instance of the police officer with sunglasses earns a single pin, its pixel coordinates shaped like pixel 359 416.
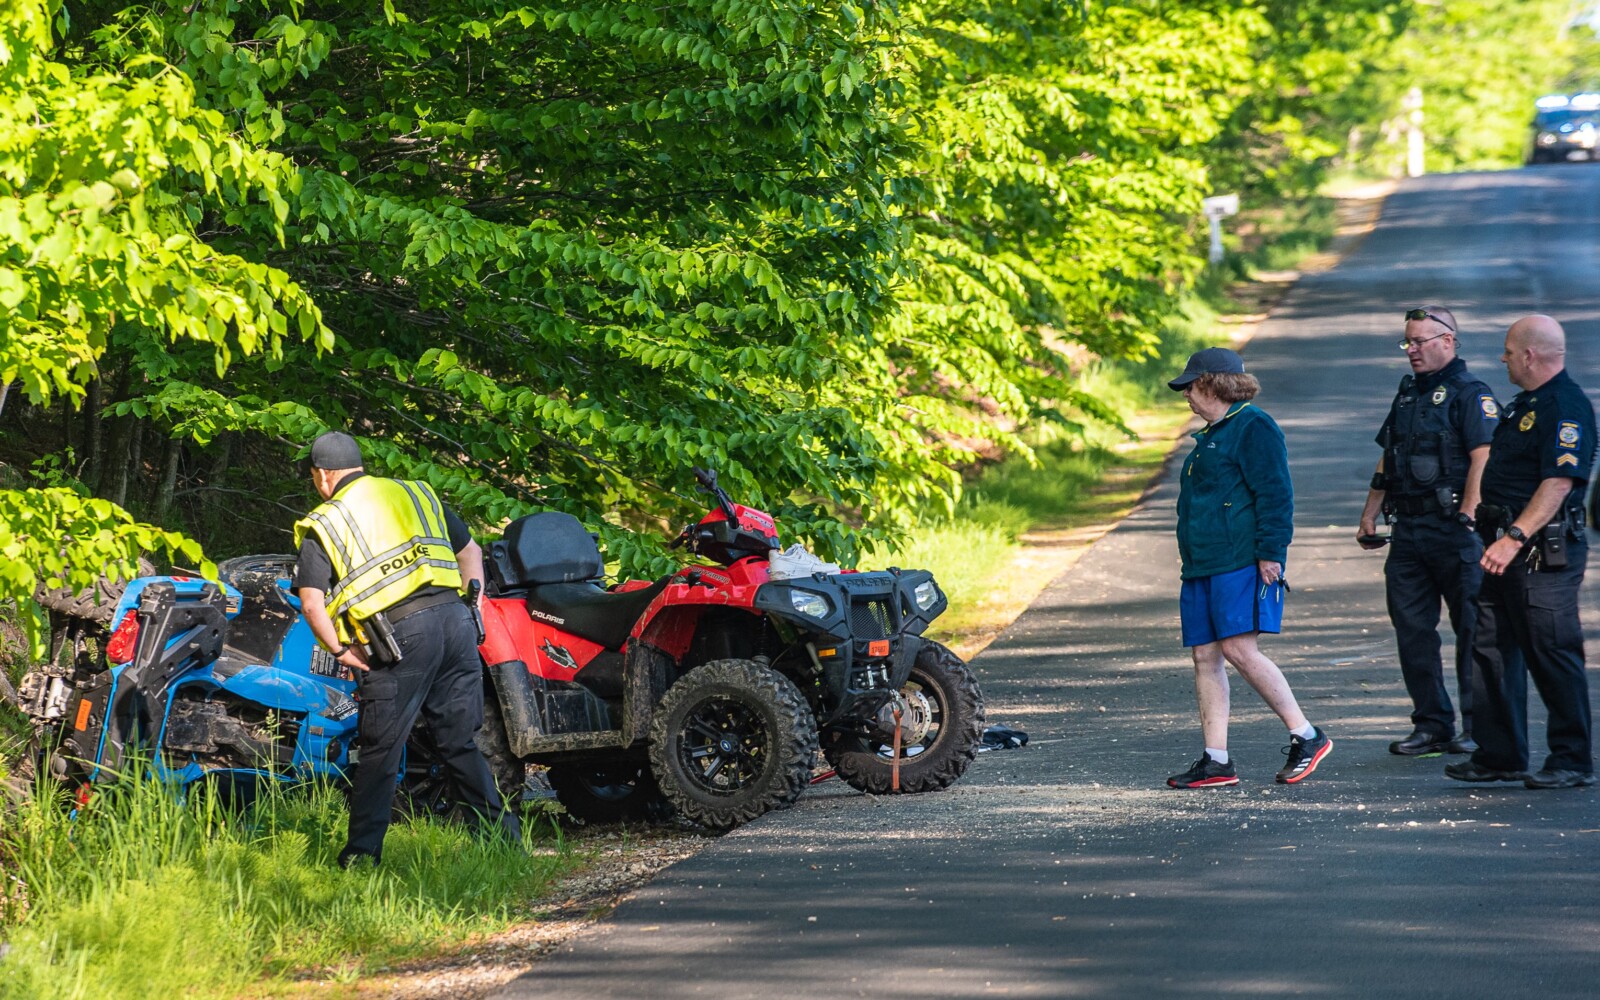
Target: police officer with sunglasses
pixel 1435 444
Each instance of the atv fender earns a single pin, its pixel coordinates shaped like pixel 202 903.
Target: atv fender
pixel 650 671
pixel 512 688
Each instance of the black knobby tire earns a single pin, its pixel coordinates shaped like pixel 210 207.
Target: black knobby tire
pixel 863 756
pixel 277 564
pixel 96 604
pixel 614 792
pixel 428 789
pixel 732 740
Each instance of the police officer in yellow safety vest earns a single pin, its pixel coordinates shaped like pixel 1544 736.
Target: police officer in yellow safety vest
pixel 381 566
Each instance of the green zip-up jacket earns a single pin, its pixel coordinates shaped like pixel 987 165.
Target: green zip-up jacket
pixel 1235 502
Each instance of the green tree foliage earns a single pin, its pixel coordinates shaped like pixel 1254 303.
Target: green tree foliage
pixel 1053 211
pixel 570 252
pixel 554 254
pixel 1480 64
pixel 103 179
pixel 1319 71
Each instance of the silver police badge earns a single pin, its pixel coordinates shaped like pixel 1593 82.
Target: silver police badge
pixel 1438 395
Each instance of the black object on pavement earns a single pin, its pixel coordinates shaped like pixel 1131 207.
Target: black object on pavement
pixel 998 737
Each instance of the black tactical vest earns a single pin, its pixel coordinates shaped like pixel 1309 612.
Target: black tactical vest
pixel 1424 449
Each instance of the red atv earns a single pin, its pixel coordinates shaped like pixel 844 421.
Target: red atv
pixel 712 687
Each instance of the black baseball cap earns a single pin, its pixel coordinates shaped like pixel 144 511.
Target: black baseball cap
pixel 1217 360
pixel 335 450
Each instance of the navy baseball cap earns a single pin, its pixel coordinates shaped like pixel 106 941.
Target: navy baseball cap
pixel 335 450
pixel 1217 360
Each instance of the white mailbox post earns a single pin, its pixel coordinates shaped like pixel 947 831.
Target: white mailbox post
pixel 1412 103
pixel 1218 208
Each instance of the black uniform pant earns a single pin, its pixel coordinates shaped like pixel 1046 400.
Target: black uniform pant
pixel 1433 559
pixel 1528 625
pixel 440 678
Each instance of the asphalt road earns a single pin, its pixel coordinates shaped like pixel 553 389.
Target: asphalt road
pixel 1067 869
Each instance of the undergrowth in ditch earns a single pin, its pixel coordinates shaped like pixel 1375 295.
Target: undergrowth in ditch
pixel 143 895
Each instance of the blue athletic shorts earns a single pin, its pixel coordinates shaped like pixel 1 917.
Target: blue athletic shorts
pixel 1232 603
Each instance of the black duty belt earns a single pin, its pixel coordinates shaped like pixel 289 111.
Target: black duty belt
pixel 421 601
pixel 1412 506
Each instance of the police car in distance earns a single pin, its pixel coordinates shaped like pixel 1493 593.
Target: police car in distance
pixel 1565 128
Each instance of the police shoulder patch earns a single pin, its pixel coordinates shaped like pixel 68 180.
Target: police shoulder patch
pixel 1568 435
pixel 1527 423
pixel 1490 408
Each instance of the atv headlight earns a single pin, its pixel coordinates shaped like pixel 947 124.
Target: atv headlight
pixel 807 603
pixel 926 595
pixel 1547 138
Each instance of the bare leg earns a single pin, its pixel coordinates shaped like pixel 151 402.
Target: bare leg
pixel 1263 675
pixel 1211 691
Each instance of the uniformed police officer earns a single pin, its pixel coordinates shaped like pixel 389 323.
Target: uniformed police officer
pixel 1532 523
pixel 1435 442
pixel 379 575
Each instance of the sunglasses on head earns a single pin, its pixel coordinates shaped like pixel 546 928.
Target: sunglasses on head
pixel 1414 314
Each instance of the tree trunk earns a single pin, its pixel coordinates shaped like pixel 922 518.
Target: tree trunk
pixel 94 433
pixel 114 467
pixel 132 467
pixel 5 390
pixel 171 456
pixel 69 435
pixel 219 463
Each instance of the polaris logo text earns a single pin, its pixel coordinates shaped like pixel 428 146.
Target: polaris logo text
pixel 535 612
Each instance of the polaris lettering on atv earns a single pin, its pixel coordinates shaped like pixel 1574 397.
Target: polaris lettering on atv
pixel 324 665
pixel 559 656
pixel 542 616
pixel 866 581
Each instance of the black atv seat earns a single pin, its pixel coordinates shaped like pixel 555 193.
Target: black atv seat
pixel 594 614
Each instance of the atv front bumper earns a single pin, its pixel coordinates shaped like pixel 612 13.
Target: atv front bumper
pixel 864 632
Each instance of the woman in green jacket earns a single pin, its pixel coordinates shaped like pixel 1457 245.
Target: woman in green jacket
pixel 1235 520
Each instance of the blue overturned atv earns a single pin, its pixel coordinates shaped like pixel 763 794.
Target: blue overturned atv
pixel 212 682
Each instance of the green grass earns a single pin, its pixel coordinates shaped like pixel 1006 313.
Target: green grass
pixel 144 896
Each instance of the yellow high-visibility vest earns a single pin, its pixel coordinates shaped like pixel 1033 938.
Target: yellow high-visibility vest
pixel 386 539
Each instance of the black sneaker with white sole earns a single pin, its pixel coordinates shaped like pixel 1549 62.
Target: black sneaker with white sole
pixel 1304 756
pixel 1205 773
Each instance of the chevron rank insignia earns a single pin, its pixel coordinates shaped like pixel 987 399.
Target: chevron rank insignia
pixel 1566 458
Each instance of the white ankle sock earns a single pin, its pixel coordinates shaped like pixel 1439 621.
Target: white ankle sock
pixel 1306 733
pixel 1220 756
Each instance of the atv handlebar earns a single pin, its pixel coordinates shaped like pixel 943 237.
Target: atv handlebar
pixel 707 478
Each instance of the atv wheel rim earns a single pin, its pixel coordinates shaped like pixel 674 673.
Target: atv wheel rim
pixel 724 745
pixel 921 719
